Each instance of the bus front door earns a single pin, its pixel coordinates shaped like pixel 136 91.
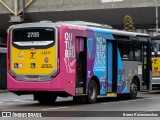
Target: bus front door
pixel 111 68
pixel 146 67
pixel 81 58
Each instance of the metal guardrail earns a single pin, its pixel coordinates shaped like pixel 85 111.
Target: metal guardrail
pixel 3 50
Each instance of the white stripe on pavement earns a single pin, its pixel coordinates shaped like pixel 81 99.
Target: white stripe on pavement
pixel 56 108
pixel 18 100
pixel 131 100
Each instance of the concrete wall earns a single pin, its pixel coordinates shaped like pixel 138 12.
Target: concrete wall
pixel 3 9
pixel 67 5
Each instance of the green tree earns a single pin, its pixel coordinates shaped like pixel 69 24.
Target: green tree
pixel 128 24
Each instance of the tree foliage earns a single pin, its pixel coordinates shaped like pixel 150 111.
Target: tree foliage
pixel 128 24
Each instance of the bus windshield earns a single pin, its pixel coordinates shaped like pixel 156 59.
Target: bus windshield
pixel 155 47
pixel 33 36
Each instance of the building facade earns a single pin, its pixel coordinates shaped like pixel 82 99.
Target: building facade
pixel 110 12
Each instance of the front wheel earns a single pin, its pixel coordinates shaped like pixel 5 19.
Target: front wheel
pixel 92 92
pixel 133 89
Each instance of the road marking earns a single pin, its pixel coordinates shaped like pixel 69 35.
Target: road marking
pixel 131 100
pixel 56 108
pixel 8 100
pixel 18 100
pixel 30 101
pixel 22 100
pixel 10 103
pixel 151 110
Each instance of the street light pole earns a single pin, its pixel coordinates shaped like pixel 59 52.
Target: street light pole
pixel 157 20
pixel 156 16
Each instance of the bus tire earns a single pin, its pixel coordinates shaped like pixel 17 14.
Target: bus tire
pixel 92 92
pixel 46 99
pixel 133 89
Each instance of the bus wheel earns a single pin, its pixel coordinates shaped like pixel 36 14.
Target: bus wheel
pixel 46 99
pixel 92 92
pixel 133 89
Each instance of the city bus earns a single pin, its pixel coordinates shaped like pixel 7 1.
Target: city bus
pixel 155 62
pixel 75 58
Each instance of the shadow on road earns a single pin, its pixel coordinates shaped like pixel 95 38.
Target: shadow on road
pixel 72 103
pixel 152 92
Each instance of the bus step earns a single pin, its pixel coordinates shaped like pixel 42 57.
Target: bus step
pixel 144 90
pixel 111 94
pixel 151 91
pixel 156 88
pixel 81 94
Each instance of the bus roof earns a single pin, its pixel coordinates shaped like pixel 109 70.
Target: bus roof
pixel 59 23
pixel 155 37
pixel 83 23
pixel 94 26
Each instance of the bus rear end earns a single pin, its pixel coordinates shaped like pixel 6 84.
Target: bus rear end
pixel 33 62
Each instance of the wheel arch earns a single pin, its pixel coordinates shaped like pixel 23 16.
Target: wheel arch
pixel 95 78
pixel 136 78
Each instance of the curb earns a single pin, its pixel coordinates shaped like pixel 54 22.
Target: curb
pixel 3 91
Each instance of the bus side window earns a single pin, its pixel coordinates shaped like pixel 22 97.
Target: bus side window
pixel 137 52
pixel 155 48
pixel 126 51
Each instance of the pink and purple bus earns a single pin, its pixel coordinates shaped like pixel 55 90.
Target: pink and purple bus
pixel 78 59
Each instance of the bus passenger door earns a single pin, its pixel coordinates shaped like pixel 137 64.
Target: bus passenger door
pixel 146 67
pixel 81 58
pixel 111 67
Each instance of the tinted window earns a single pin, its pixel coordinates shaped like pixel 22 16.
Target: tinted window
pixel 156 47
pixel 130 52
pixel 137 50
pixel 125 51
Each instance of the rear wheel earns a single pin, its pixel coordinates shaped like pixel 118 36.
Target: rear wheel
pixel 133 89
pixel 45 98
pixel 92 92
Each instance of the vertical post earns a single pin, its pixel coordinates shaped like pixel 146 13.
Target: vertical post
pixel 112 3
pixel 15 7
pixel 156 20
pixel 23 8
pixel 156 16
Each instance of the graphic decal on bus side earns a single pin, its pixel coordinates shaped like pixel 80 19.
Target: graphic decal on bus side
pixel 91 54
pixel 20 56
pixel 89 44
pixel 96 58
pixel 121 84
pixel 33 55
pixel 69 53
pixel 100 61
pixel 16 65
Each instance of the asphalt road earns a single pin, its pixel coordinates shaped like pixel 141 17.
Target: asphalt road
pixel 149 102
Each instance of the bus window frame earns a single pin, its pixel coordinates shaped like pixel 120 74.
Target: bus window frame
pixel 155 53
pixel 36 47
pixel 131 41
